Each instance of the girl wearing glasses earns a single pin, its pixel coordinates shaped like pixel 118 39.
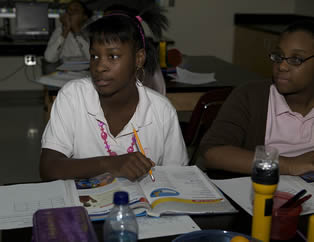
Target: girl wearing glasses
pixel 277 113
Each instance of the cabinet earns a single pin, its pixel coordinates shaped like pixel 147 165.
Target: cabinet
pixel 251 49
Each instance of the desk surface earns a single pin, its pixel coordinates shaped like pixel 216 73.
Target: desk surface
pixel 240 222
pixel 185 96
pixel 226 74
pixel 237 222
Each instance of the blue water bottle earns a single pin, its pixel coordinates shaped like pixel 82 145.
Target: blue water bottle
pixel 120 225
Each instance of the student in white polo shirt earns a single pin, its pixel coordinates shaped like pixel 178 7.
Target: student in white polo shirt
pixel 90 129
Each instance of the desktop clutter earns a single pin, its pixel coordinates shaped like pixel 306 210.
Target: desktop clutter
pixel 64 210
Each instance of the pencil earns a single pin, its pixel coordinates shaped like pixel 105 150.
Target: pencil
pixel 142 151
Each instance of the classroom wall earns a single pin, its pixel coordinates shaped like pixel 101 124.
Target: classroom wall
pixel 206 27
pixel 304 7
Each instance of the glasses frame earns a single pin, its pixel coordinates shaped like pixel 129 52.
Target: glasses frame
pixel 287 59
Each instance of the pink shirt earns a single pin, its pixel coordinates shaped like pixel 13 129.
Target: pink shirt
pixel 290 132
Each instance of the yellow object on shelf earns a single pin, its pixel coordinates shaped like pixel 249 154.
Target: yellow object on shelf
pixel 163 54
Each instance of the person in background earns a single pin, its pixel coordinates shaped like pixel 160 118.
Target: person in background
pixel 68 40
pixel 277 113
pixel 90 130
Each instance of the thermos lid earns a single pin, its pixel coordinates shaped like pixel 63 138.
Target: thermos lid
pixel 265 165
pixel 268 175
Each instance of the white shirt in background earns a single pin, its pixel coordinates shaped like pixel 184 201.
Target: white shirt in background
pixel 59 47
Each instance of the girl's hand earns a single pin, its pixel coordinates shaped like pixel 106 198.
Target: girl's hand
pixel 66 24
pixel 77 21
pixel 131 166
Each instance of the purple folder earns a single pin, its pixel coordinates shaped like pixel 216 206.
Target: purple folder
pixel 69 224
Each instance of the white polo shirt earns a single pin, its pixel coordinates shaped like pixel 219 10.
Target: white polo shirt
pixel 73 126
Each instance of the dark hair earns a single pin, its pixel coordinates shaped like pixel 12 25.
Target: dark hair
pixel 122 24
pixel 86 10
pixel 301 25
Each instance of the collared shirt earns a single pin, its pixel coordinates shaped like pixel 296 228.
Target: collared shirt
pixel 74 131
pixel 288 131
pixel 72 46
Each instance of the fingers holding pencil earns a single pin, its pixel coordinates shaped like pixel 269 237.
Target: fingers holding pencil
pixel 142 150
pixel 139 166
pixel 131 166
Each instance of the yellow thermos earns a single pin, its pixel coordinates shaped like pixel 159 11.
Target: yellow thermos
pixel 265 177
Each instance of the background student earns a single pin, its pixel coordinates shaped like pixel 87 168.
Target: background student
pixel 90 129
pixel 278 113
pixel 68 40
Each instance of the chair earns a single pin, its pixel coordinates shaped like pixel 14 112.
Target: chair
pixel 202 117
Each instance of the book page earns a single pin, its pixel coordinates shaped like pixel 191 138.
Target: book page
pixel 96 194
pixel 20 202
pixel 185 182
pixel 241 191
pixel 182 189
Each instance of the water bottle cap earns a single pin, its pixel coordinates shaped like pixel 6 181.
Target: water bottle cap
pixel 121 198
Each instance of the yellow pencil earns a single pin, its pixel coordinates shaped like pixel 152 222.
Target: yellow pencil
pixel 142 150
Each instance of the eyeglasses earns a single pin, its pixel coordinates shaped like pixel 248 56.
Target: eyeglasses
pixel 294 61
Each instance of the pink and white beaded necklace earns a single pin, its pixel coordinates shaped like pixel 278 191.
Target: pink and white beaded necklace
pixel 104 136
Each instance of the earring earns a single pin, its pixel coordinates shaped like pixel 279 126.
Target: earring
pixel 140 74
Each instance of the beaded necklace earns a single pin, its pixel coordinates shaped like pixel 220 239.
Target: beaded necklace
pixel 104 136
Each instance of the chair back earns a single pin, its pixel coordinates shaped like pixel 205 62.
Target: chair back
pixel 203 115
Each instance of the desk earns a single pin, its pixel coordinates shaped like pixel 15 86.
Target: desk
pixel 185 96
pixel 240 222
pixel 237 222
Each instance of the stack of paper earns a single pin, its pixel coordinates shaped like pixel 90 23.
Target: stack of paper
pixel 59 78
pixel 193 78
pixel 20 202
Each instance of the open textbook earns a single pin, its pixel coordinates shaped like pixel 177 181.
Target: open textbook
pixel 241 191
pixel 176 190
